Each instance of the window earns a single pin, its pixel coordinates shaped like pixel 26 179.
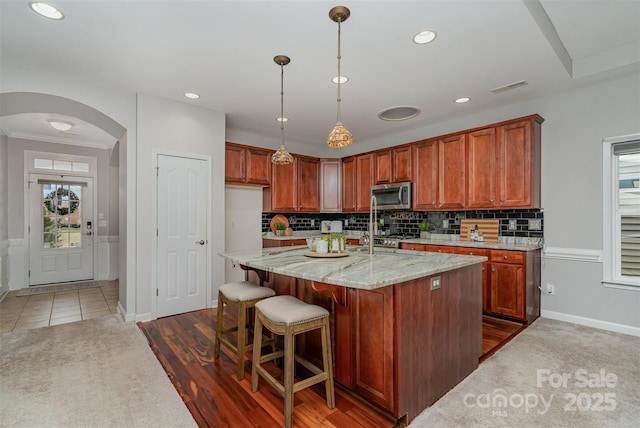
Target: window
pixel 621 191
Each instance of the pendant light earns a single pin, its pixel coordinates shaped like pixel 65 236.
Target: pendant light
pixel 281 156
pixel 340 136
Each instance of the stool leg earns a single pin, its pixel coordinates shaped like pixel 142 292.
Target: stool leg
pixel 257 351
pixel 289 343
pixel 242 331
pixel 328 366
pixel 220 313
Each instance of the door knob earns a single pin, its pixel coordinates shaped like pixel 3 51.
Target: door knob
pixel 201 242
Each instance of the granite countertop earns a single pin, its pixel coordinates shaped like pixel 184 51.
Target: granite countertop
pixel 357 270
pixel 504 242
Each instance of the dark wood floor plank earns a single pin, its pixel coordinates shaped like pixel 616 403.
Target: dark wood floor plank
pixel 215 397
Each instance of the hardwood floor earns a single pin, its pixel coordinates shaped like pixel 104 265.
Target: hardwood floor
pixel 211 391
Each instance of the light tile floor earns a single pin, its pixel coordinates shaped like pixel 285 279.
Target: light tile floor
pixel 42 310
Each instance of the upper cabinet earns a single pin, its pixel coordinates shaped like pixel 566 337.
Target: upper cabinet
pixel 425 178
pixel 481 168
pixel 330 185
pixel 247 165
pixel 357 179
pixel 393 165
pixel 451 172
pixel 518 165
pixel 294 187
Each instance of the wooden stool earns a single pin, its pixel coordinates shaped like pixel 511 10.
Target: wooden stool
pixel 242 296
pixel 288 316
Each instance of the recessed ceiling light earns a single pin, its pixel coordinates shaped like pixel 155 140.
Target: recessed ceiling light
pixel 191 95
pixel 46 10
pixel 282 119
pixel 343 79
pixel 461 100
pixel 61 125
pixel 399 113
pixel 425 37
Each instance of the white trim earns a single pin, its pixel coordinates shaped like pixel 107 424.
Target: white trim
pixel 18 269
pixel 622 285
pixel 590 322
pixel 125 317
pixel 573 254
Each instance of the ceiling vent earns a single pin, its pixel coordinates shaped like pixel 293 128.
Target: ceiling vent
pixel 509 86
pixel 399 113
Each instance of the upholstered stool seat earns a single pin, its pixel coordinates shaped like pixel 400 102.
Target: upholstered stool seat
pixel 241 296
pixel 288 316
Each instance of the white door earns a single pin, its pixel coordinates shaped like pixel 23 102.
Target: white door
pixel 61 228
pixel 182 194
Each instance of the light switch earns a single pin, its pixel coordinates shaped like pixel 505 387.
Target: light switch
pixel 102 223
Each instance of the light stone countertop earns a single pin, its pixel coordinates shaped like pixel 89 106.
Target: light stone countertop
pixel 357 270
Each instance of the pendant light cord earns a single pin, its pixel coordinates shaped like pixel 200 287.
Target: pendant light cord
pixel 339 116
pixel 282 101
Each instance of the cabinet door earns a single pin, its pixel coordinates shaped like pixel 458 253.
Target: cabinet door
pixel 507 290
pixel 515 165
pixel 284 187
pixel 258 166
pixel 425 183
pixel 234 164
pixel 364 180
pixel 414 247
pixel 372 321
pixel 308 185
pixel 383 166
pixel 401 166
pixel 331 186
pixel 440 249
pixel 348 185
pixel 486 279
pixel 451 172
pixel 481 168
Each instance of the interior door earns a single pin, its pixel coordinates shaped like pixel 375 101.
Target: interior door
pixel 182 194
pixel 61 228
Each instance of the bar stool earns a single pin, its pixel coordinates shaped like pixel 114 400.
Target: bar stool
pixel 288 316
pixel 240 296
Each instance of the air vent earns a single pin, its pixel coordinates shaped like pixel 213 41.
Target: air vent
pixel 509 86
pixel 399 113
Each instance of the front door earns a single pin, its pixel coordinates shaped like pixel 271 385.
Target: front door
pixel 182 194
pixel 61 228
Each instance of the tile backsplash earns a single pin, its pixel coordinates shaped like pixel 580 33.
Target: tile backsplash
pixel 406 222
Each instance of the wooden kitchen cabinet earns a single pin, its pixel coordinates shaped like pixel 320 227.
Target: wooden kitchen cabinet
pixel 486 280
pixel 412 246
pixel 373 354
pixel 514 280
pixel 268 243
pixel 294 187
pixel 357 179
pixel 503 165
pixel 481 168
pixel 518 163
pixel 247 165
pixel 330 185
pixel 393 165
pixel 439 178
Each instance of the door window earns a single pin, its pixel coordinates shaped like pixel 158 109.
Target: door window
pixel 61 216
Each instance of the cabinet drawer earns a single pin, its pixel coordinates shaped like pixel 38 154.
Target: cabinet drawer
pixel 473 251
pixel 415 247
pixel 499 256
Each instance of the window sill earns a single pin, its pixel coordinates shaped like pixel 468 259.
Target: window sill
pixel 622 285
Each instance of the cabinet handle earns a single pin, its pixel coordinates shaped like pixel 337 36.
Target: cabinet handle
pixel 490 200
pixel 501 199
pixel 493 270
pixel 433 203
pixel 504 257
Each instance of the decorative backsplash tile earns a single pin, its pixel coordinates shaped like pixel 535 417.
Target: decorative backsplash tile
pixel 406 222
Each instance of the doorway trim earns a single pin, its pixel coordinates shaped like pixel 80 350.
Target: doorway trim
pixel 155 153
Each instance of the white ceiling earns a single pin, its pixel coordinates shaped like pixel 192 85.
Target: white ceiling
pixel 224 51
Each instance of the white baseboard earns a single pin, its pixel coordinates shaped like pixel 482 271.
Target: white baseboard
pixel 590 322
pixel 125 317
pixel 144 317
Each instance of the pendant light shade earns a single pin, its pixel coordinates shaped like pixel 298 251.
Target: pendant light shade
pixel 282 156
pixel 340 136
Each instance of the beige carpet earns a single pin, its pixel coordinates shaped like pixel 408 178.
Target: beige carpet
pixel 95 373
pixel 554 374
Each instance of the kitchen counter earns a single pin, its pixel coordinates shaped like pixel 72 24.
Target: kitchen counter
pixel 508 243
pixel 358 269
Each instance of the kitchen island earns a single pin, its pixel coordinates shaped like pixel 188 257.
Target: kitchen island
pixel 406 325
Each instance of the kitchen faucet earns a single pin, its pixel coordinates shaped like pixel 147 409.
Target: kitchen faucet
pixel 373 221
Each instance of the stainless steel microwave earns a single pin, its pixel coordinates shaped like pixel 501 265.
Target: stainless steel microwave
pixel 393 196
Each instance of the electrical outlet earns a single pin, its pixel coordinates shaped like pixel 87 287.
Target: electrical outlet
pixel 234 265
pixel 313 222
pixel 513 225
pixel 445 224
pixel 535 224
pixel 458 218
pixel 549 289
pixel 435 283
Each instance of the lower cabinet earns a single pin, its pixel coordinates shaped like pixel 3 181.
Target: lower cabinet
pixel 268 243
pixel 510 279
